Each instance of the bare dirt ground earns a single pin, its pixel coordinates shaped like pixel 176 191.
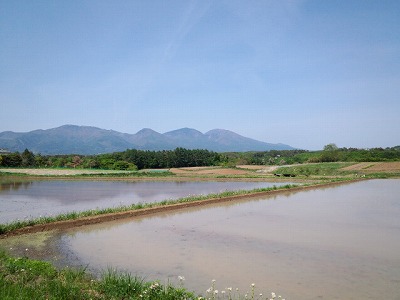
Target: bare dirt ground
pixel 252 170
pixel 181 173
pixel 190 171
pixel 209 171
pixel 375 167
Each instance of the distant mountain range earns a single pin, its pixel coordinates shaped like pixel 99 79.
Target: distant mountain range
pixel 72 139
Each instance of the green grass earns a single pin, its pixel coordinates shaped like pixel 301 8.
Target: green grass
pixel 8 227
pixel 23 278
pixel 27 279
pixel 331 171
pixel 96 173
pixel 318 169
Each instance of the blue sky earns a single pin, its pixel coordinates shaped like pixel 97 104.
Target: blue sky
pixel 303 73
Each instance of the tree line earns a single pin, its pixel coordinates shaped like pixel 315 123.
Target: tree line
pixel 133 159
pixel 130 159
pixel 330 153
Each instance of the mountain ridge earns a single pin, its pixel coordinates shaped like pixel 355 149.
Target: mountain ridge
pixel 86 140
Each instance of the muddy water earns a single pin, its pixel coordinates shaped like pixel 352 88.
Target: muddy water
pixel 31 199
pixel 340 242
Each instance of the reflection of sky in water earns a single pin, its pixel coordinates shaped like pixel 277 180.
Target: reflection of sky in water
pixel 341 242
pixel 22 200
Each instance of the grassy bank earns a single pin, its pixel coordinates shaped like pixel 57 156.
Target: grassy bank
pixel 325 171
pixel 23 278
pixel 81 173
pixel 9 227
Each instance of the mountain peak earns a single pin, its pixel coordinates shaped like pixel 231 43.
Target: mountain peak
pixel 183 132
pixel 147 131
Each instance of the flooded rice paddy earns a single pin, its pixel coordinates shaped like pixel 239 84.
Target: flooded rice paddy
pixel 339 242
pixel 32 199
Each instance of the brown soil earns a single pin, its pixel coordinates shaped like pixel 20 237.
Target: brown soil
pixel 140 212
pixel 209 171
pixel 191 171
pixel 372 167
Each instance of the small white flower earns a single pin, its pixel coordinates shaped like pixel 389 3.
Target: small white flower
pixel 213 280
pixel 273 295
pixel 216 292
pixel 181 278
pixel 229 289
pixel 209 290
pixel 222 292
pixel 253 285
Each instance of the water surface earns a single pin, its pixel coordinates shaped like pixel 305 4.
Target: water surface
pixel 31 199
pixel 341 242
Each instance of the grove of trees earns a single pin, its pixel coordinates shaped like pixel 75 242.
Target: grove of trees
pixel 132 159
pixel 127 160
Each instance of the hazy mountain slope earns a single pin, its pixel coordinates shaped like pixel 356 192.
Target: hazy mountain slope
pixel 226 140
pixel 148 139
pixel 189 138
pixel 72 139
pixel 67 139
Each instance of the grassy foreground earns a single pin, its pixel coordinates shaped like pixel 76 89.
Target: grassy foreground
pixel 23 278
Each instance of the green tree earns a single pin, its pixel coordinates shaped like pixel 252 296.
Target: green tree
pixel 331 147
pixel 28 159
pixel 12 160
pixel 40 161
pixel 330 153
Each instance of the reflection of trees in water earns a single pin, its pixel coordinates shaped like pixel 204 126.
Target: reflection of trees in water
pixel 70 192
pixel 14 186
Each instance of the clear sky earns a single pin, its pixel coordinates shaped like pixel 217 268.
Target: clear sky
pixel 303 73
